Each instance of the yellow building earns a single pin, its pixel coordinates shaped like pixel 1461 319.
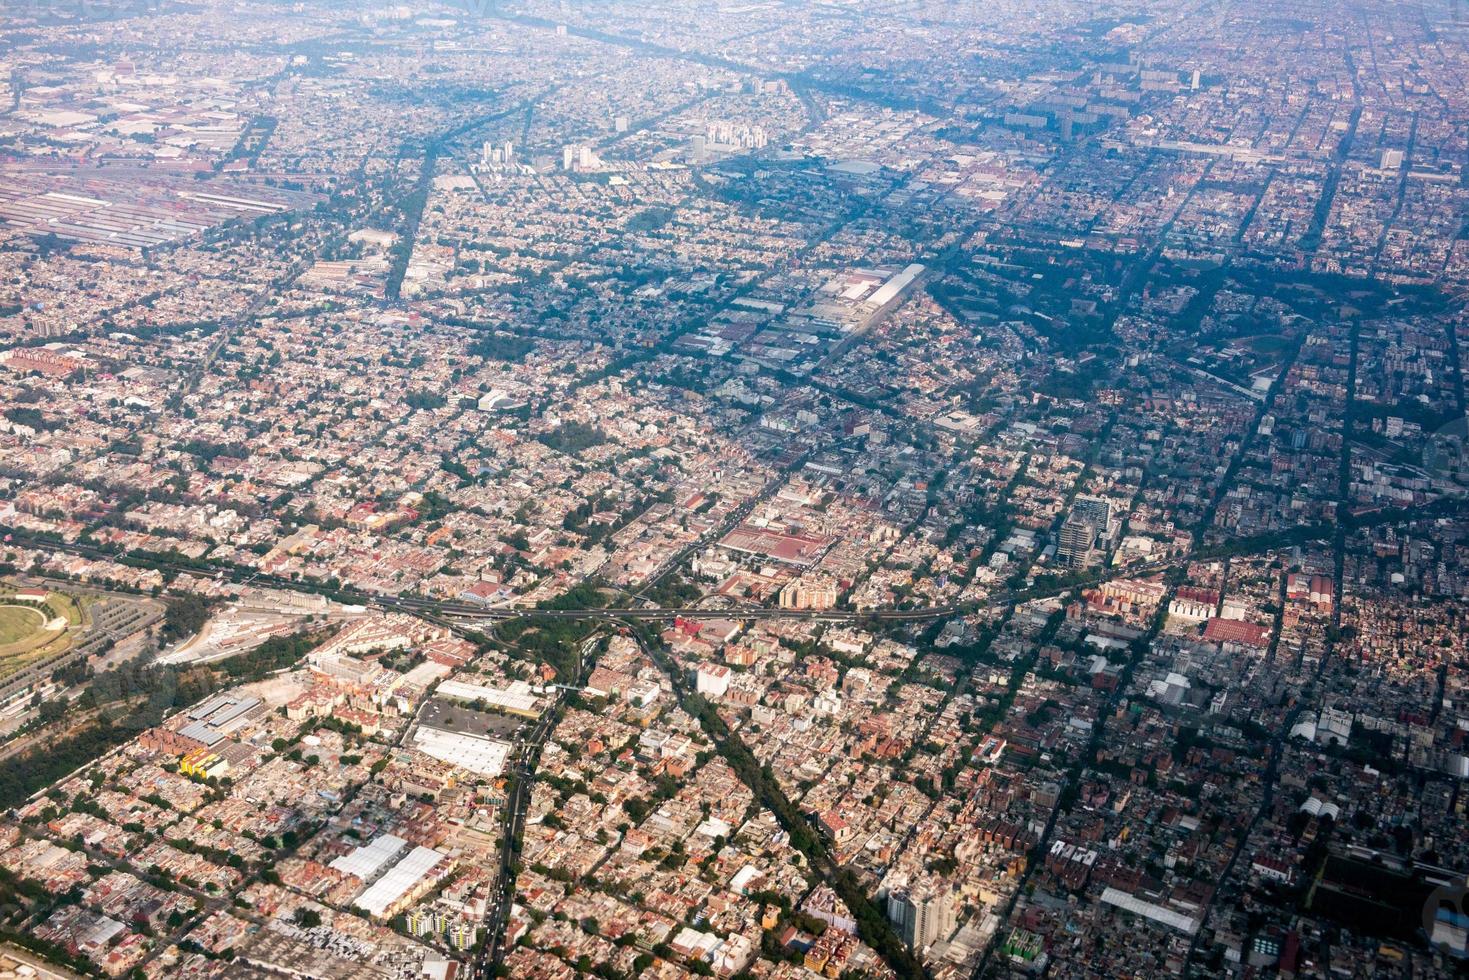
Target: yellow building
pixel 203 764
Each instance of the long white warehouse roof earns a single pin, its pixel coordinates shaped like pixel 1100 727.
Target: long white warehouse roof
pixel 399 880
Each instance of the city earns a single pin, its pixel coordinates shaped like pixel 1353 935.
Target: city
pixel 763 489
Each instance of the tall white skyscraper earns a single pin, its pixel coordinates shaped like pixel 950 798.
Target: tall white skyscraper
pixel 922 914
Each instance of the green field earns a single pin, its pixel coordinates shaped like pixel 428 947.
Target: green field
pixel 60 604
pixel 18 622
pixel 24 640
pixel 1268 344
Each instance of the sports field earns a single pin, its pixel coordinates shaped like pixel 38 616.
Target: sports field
pixel 18 623
pixel 25 638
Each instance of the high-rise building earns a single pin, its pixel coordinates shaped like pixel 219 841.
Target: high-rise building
pixel 923 915
pixel 808 595
pixel 1094 510
pixel 462 935
pixel 1076 542
pixel 1089 522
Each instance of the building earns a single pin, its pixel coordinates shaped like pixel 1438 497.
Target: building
pixel 1193 604
pixel 1235 634
pixel 515 698
pixel 1076 546
pixel 712 680
pixel 404 882
pixel 53 360
pixel 1086 527
pixel 922 915
pixel 168 742
pixel 808 595
pixel 579 158
pixel 202 764
pixel 497 154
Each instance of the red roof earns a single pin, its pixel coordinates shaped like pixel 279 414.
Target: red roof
pixel 1237 631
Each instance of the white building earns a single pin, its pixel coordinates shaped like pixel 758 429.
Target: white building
pixel 712 680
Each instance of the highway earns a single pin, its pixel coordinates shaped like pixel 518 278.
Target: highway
pixel 469 613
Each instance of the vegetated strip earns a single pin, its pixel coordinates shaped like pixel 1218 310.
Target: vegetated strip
pixel 872 925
